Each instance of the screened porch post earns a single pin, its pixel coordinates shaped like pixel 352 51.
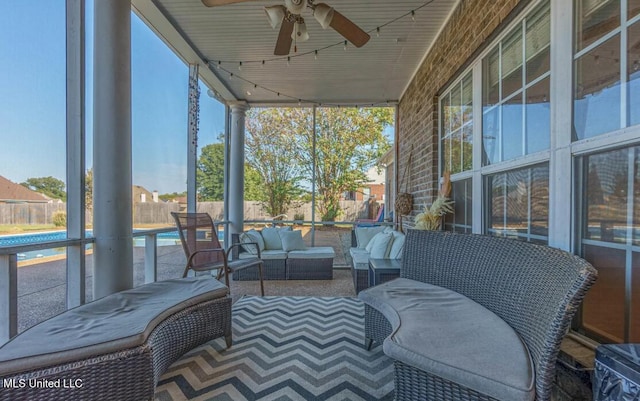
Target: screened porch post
pixel 236 167
pixel 112 220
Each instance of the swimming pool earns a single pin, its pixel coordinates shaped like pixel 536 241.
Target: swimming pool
pixel 163 239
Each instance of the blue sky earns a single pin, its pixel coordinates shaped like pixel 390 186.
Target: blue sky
pixel 32 99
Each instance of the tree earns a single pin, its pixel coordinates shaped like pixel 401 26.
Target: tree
pixel 171 196
pixel 88 189
pixel 270 150
pixel 348 142
pixel 49 186
pixel 210 176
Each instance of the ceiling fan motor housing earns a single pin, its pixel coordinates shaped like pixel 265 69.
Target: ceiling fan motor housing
pixel 295 6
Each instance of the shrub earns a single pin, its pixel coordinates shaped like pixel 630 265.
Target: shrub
pixel 298 216
pixel 60 219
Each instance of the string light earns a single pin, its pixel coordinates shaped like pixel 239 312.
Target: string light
pixel 315 52
pixel 288 61
pixel 240 66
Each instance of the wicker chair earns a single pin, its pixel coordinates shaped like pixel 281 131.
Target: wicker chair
pixel 204 251
pixel 535 289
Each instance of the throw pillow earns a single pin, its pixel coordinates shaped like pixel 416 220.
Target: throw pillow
pixel 271 236
pixel 398 245
pixel 292 240
pixel 379 245
pixel 365 234
pixel 252 236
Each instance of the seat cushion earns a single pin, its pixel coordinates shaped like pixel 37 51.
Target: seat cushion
pixel 360 258
pixel 447 334
pixel 116 322
pixel 316 252
pixel 265 255
pixel 249 237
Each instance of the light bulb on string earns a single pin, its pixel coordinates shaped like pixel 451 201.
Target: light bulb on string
pixel 315 56
pixel 345 45
pixel 288 61
pixel 413 15
pixel 377 32
pixel 219 64
pixel 240 66
pixel 263 63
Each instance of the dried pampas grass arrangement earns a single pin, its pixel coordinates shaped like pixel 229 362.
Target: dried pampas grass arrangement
pixel 431 217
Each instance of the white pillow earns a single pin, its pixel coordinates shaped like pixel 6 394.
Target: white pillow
pixel 398 245
pixel 365 234
pixel 292 240
pixel 379 245
pixel 252 236
pixel 271 237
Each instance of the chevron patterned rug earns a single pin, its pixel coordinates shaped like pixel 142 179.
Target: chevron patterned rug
pixel 285 348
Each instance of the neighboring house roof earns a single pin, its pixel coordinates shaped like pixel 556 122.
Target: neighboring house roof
pixel 138 190
pixel 12 192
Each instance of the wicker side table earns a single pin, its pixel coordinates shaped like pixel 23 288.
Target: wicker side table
pixel 383 270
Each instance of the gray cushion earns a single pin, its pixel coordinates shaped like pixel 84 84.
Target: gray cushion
pixel 360 258
pixel 115 322
pixel 252 236
pixel 364 234
pixel 446 334
pixel 266 255
pixel 271 236
pixel 316 252
pixel 292 240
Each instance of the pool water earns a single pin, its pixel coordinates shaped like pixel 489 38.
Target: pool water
pixel 163 239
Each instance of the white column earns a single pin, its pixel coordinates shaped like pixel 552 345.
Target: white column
pixel 112 220
pixel 75 10
pixel 236 167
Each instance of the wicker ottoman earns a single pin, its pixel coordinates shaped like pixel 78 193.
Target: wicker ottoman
pixel 311 264
pixel 117 347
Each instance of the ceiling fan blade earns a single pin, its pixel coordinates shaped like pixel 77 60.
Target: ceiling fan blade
pixel 283 45
pixel 352 32
pixel 213 3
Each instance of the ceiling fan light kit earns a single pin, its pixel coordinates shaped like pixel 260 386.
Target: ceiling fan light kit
pixel 300 33
pixel 323 14
pixel 275 15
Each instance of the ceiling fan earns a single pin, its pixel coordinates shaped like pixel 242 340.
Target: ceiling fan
pixel 293 24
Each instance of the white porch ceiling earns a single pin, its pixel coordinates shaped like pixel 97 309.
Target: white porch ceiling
pixel 376 73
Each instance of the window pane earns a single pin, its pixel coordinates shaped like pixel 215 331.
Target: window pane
pixel 633 8
pixel 456 108
pixel 636 197
pixel 603 307
pixel 512 128
pixel 537 43
pixel 456 152
pixel 633 73
pixel 606 196
pixel 540 201
pixel 491 80
pixel 538 116
pixel 594 19
pixel 446 115
pixel 460 220
pixel 597 92
pixel 467 98
pixel 446 154
pixel 490 132
pixel 634 336
pixel 519 203
pixel 512 63
pixel 467 147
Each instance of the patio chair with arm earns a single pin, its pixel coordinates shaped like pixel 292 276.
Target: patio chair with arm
pixel 203 249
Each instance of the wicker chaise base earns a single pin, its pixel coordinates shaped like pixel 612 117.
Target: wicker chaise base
pixel 310 269
pixel 416 384
pixel 130 374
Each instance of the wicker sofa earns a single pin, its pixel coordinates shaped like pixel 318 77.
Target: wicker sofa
pixel 281 262
pixel 475 317
pixel 117 347
pixel 360 238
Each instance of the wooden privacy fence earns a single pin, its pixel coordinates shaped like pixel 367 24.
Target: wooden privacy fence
pixel 159 213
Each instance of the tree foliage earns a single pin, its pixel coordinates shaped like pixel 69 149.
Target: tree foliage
pixel 349 141
pixel 49 186
pixel 210 176
pixel 270 150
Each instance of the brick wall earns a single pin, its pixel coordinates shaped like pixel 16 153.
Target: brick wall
pixel 472 26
